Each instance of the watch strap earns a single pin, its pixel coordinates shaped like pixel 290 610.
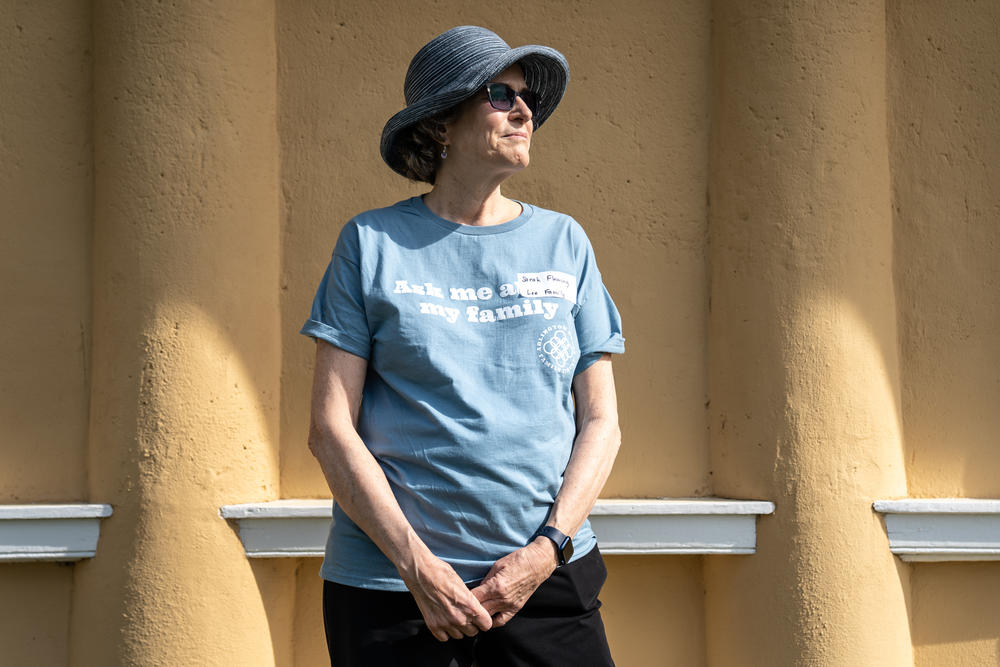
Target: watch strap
pixel 564 543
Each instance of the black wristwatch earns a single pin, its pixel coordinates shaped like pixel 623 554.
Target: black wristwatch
pixel 564 543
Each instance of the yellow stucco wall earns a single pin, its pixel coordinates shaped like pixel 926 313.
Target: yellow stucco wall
pixel 46 197
pixel 803 367
pixel 35 608
pixel 955 614
pixel 944 69
pixel 946 166
pixel 172 180
pixel 185 354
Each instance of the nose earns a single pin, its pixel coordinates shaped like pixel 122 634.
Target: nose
pixel 521 108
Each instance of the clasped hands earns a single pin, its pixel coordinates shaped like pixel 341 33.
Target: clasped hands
pixel 451 609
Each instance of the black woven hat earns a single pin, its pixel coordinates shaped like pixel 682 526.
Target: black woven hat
pixel 456 64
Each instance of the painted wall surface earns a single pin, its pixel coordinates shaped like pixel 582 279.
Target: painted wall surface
pixel 819 331
pixel 803 366
pixel 46 196
pixel 35 611
pixel 184 393
pixel 46 186
pixel 944 86
pixel 955 614
pixel 652 610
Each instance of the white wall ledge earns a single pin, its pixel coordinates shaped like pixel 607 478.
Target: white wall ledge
pixel 298 528
pixel 942 529
pixel 50 532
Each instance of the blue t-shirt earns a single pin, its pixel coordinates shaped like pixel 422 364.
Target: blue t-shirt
pixel 472 335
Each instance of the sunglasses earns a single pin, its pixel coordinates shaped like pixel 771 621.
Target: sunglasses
pixel 502 97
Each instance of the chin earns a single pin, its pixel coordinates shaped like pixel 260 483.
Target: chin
pixel 513 160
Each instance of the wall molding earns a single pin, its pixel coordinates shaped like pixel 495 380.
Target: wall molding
pixel 50 532
pixel 297 528
pixel 942 529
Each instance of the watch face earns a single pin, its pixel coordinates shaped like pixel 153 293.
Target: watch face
pixel 567 549
pixel 563 543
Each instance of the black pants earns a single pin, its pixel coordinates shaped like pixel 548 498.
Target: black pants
pixel 559 625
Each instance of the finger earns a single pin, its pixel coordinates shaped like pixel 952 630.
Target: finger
pixel 490 577
pixel 494 569
pixel 470 630
pixel 502 618
pixel 486 595
pixel 454 633
pixel 483 619
pixel 488 590
pixel 440 635
pixel 494 607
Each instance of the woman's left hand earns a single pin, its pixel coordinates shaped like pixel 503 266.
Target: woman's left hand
pixel 513 578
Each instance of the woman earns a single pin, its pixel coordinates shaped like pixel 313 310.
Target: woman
pixel 464 408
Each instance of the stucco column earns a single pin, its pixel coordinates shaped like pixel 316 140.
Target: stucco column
pixel 803 368
pixel 186 347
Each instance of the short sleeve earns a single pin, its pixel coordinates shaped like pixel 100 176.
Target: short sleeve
pixel 338 311
pixel 598 323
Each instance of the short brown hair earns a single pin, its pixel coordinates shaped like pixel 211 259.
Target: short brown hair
pixel 420 145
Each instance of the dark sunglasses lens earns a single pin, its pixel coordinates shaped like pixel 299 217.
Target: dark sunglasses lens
pixel 501 96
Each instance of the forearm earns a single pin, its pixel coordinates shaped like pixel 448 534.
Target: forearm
pixel 354 476
pixel 593 456
pixel 594 449
pixel 363 492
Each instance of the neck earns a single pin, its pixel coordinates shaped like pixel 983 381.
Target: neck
pixel 469 201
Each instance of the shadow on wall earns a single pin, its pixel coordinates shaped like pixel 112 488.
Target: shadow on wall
pixel 251 479
pixel 944 107
pixel 966 634
pixel 185 422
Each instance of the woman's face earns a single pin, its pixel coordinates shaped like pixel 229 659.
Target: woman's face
pixel 482 137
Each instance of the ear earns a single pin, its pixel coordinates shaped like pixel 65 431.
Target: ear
pixel 441 129
pixel 446 121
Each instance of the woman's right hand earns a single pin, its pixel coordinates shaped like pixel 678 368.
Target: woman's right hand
pixel 448 606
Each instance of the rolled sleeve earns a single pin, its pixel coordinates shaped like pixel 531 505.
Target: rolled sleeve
pixel 598 323
pixel 338 313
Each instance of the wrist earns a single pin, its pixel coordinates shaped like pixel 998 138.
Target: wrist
pixel 561 543
pixel 545 547
pixel 545 554
pixel 414 561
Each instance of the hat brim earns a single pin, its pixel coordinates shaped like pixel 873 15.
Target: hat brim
pixel 546 73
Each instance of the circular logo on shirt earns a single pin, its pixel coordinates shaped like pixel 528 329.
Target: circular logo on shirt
pixel 555 348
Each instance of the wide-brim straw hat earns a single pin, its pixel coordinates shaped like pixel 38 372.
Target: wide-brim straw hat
pixel 456 65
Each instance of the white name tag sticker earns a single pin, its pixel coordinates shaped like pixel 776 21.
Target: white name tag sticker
pixel 547 284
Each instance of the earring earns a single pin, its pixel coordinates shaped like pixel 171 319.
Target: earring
pixel 444 151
